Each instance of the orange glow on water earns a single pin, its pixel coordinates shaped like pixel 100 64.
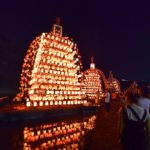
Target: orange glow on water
pixel 57 135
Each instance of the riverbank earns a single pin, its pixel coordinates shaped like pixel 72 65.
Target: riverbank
pixel 11 113
pixel 105 134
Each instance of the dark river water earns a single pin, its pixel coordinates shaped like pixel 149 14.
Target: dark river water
pixel 62 134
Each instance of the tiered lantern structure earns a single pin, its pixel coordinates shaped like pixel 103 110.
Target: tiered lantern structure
pixel 52 70
pixel 113 84
pixel 61 135
pixel 94 82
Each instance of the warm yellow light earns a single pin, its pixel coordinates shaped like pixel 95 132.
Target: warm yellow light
pixel 85 101
pixel 64 102
pixel 41 103
pixel 56 103
pixel 46 103
pixel 34 103
pixel 28 104
pixel 60 102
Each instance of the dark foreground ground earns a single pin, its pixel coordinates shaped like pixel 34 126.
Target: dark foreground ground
pixel 105 134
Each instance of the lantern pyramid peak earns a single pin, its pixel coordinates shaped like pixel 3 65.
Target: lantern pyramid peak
pixel 92 64
pixel 57 28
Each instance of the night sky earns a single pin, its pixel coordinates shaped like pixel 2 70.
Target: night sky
pixel 115 33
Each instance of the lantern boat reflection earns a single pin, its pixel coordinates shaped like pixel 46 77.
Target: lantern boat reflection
pixel 61 135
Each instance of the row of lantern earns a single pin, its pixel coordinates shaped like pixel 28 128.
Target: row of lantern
pixel 55 67
pixel 51 68
pixel 54 131
pixel 58 56
pixel 93 84
pixel 65 135
pixel 32 91
pixel 58 61
pixel 45 97
pixel 57 87
pixel 56 38
pixel 61 49
pixel 58 65
pixel 53 87
pixel 40 51
pixel 44 77
pixel 54 79
pixel 67 142
pixel 38 102
pixel 55 84
pixel 70 72
pixel 60 46
pixel 90 78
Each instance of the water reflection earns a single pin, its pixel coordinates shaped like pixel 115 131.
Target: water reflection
pixel 62 135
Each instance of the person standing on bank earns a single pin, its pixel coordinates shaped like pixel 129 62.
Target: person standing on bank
pixel 107 100
pixel 134 125
pixel 144 100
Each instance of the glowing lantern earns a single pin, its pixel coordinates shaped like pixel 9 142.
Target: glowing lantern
pixel 94 83
pixel 41 103
pixel 51 70
pixel 34 103
pixel 28 104
pixel 64 102
pixel 46 103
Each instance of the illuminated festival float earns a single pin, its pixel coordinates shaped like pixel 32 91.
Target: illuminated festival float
pixel 94 83
pixel 51 72
pixel 113 84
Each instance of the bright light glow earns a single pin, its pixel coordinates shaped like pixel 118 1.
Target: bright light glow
pixel 28 104
pixel 46 103
pixel 34 103
pixel 41 103
pixel 60 102
pixel 51 71
pixel 64 102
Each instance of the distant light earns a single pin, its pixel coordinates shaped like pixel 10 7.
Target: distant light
pixel 124 80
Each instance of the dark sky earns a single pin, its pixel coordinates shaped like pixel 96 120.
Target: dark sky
pixel 116 33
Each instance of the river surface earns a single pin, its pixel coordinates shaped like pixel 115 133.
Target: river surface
pixel 63 133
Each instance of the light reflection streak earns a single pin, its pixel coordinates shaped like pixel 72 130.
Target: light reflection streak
pixel 61 135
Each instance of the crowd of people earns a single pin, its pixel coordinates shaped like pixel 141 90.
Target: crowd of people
pixel 134 117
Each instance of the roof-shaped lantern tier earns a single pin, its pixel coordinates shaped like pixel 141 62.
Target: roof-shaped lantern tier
pixel 51 71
